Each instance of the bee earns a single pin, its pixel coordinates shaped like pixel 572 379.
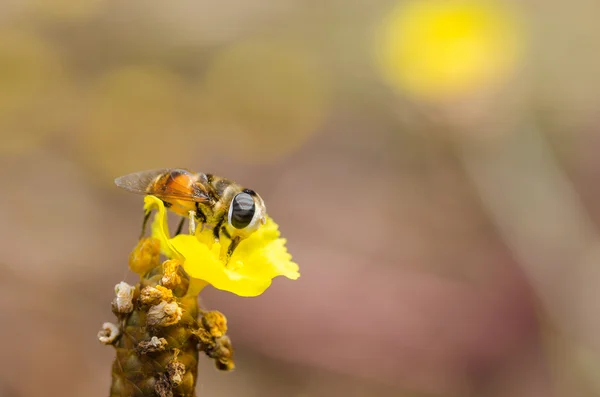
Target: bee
pixel 213 202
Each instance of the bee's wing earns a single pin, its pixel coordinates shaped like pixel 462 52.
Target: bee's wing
pixel 143 183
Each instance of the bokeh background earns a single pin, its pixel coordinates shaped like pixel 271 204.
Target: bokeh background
pixel 432 163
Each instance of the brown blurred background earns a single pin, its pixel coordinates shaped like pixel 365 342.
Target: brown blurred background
pixel 441 200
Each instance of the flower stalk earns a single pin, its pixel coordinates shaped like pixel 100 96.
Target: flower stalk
pixel 160 330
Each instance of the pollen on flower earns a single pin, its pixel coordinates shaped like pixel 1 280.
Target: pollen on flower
pixel 215 323
pixel 153 295
pixel 170 277
pixel 250 270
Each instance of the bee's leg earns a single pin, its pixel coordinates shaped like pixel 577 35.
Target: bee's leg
pixel 232 246
pixel 192 222
pixel 234 243
pixel 180 226
pixel 199 217
pixel 144 223
pixel 217 229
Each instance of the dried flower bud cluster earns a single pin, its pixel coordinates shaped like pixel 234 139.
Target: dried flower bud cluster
pixel 213 341
pixel 164 314
pixel 151 346
pixel 215 323
pixel 159 337
pixel 123 302
pixel 154 295
pixel 108 334
pixel 171 278
pixel 171 378
pixel 145 256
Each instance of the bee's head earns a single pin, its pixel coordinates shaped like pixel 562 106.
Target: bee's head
pixel 246 212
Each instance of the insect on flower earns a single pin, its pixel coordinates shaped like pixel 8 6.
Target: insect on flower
pixel 213 202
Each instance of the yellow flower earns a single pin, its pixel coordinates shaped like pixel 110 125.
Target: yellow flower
pixel 441 48
pixel 255 262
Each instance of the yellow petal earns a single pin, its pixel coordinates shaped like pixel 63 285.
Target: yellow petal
pixel 160 227
pixel 255 262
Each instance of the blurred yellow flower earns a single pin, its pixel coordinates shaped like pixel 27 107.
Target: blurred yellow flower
pixel 442 48
pixel 250 270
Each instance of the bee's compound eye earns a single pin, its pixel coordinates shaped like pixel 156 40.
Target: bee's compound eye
pixel 241 211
